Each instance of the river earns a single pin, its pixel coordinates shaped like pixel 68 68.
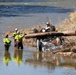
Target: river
pixel 27 14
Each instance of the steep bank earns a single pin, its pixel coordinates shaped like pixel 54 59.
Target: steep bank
pixel 68 25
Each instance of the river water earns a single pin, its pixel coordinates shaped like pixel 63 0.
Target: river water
pixel 26 14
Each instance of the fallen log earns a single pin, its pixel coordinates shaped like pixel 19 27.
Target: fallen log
pixel 45 34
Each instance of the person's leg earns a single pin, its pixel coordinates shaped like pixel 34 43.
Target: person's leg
pixel 21 45
pixel 15 43
pixel 6 47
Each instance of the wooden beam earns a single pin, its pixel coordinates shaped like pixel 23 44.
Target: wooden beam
pixel 42 34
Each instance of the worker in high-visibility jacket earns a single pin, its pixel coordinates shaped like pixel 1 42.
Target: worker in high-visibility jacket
pixel 14 34
pixel 19 41
pixel 7 42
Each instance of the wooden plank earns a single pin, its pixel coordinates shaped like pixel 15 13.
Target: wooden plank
pixel 42 34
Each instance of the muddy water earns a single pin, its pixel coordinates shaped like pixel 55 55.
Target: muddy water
pixel 28 61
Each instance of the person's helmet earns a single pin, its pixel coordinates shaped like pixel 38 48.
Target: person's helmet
pixel 16 29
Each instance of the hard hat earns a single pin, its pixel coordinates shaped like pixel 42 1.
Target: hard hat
pixel 16 29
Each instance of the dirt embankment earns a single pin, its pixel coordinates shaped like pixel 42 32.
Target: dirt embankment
pixel 69 25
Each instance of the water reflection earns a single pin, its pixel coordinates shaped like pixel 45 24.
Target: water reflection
pixel 18 54
pixel 41 59
pixel 51 61
pixel 7 57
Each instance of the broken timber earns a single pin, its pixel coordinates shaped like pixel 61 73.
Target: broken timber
pixel 45 34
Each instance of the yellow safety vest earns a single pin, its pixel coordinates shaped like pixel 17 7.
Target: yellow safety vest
pixel 14 34
pixel 6 41
pixel 18 37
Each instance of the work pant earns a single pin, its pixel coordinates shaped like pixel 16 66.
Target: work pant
pixel 15 43
pixel 7 47
pixel 20 45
